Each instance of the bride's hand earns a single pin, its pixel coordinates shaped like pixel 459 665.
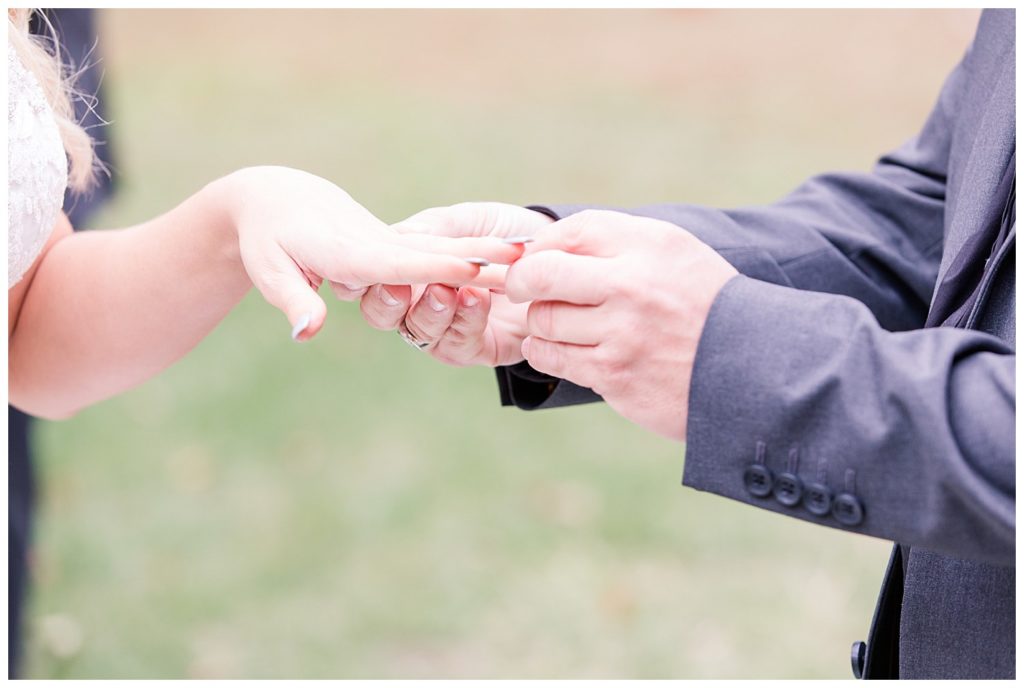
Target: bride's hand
pixel 296 230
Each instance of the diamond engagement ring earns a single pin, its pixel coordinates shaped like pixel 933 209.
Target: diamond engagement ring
pixel 410 338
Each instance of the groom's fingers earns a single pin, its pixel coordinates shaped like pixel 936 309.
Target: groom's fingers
pixel 573 362
pixel 432 315
pixel 559 276
pixel 475 219
pixel 491 277
pixel 593 233
pixel 347 292
pixel 384 306
pixel 464 341
pixel 459 220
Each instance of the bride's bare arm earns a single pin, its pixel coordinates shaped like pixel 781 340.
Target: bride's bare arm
pixel 108 309
pixel 104 310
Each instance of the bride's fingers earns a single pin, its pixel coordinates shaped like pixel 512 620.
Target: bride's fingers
pixel 387 263
pixel 384 306
pixel 491 249
pixel 286 287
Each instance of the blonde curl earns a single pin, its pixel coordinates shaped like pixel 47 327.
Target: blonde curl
pixel 41 57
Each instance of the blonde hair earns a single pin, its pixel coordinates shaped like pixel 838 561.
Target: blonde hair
pixel 48 69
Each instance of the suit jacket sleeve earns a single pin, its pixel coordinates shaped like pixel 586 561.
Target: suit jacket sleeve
pixel 873 236
pixel 917 427
pixel 814 355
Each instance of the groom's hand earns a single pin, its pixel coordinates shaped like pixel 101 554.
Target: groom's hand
pixel 476 219
pixel 618 305
pixel 468 326
pixel 465 326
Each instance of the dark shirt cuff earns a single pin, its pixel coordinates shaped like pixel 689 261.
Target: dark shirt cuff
pixel 528 389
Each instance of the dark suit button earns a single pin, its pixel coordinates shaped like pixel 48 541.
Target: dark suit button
pixel 847 509
pixel 788 489
pixel 858 653
pixel 758 480
pixel 818 499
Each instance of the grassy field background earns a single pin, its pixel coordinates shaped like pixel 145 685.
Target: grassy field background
pixel 349 508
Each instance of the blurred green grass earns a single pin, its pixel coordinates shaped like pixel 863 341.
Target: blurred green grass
pixel 348 508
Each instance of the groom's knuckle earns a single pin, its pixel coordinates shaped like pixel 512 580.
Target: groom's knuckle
pixel 540 318
pixel 536 276
pixel 444 353
pixel 374 315
pixel 618 281
pixel 545 357
pixel 574 232
pixel 456 336
pixel 610 366
pixel 421 324
pixel 417 330
pixel 537 358
pixel 340 292
pixel 490 215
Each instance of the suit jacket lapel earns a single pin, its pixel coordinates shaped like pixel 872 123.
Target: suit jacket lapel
pixel 961 284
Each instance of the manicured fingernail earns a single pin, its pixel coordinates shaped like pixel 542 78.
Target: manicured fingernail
pixel 518 240
pixel 469 299
pixel 386 296
pixel 482 262
pixel 351 287
pixel 434 302
pixel 301 325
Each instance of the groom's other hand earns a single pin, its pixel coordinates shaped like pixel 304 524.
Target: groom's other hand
pixel 476 219
pixel 618 305
pixel 461 327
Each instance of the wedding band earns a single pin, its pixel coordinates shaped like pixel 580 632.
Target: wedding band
pixel 410 338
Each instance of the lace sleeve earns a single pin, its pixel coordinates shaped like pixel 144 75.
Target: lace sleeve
pixel 36 169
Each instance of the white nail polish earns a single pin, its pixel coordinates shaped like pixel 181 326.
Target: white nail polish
pixel 469 300
pixel 518 240
pixel 301 325
pixel 386 297
pixel 482 262
pixel 434 302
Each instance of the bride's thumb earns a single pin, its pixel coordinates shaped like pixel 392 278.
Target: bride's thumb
pixel 287 288
pixel 305 310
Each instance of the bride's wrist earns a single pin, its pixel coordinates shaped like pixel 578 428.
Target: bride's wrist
pixel 234 192
pixel 223 201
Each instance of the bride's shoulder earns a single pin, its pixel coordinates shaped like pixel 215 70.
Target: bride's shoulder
pixel 36 167
pixel 24 95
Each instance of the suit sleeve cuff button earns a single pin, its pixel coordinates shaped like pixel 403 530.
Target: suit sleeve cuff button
pixel 818 499
pixel 847 509
pixel 788 489
pixel 757 478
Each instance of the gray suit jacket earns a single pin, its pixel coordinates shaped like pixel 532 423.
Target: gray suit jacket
pixel 818 392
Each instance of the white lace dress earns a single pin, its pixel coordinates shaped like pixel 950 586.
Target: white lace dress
pixel 37 169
